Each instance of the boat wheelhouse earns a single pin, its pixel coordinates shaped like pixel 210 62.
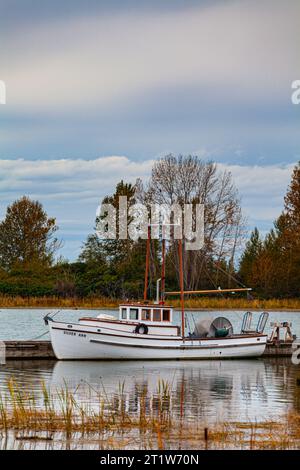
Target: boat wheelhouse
pixel 139 318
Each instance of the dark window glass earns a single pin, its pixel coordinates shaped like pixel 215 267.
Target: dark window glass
pixel 134 314
pixel 166 315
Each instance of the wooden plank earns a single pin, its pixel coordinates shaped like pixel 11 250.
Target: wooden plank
pixel 28 350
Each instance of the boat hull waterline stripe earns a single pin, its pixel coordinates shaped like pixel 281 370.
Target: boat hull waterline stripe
pixel 181 347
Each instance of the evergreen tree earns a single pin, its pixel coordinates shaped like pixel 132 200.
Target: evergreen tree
pixel 250 256
pixel 92 251
pixel 288 229
pixel 273 266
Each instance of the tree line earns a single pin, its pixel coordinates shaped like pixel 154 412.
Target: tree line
pixel 29 242
pixel 271 264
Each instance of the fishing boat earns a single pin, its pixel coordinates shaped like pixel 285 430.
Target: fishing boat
pixel 146 330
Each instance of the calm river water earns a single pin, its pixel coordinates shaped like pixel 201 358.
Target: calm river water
pixel 239 390
pixel 211 390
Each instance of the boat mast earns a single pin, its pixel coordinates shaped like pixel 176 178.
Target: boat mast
pixel 147 263
pixel 181 285
pixel 163 267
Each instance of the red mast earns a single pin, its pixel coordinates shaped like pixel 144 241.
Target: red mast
pixel 147 263
pixel 163 269
pixel 181 285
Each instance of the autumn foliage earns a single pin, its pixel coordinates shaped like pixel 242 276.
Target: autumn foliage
pixel 272 265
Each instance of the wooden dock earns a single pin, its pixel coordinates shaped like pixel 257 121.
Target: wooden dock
pixel 43 350
pixel 278 349
pixel 29 350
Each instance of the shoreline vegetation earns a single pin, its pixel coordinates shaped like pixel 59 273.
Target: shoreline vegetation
pixel 206 303
pixel 51 417
pixel 32 274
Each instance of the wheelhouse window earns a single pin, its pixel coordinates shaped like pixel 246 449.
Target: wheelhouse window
pixel 166 315
pixel 134 314
pixel 146 314
pixel 156 315
pixel 124 313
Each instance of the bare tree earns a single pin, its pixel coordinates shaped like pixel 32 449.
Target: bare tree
pixel 190 180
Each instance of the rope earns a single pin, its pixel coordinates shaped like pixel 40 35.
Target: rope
pixel 211 279
pixel 37 337
pixel 45 332
pixel 54 314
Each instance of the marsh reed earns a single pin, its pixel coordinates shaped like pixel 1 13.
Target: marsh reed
pixel 44 415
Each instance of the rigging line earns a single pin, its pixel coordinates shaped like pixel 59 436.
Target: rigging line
pixel 232 277
pixel 210 278
pixel 228 274
pixel 188 324
pixel 238 282
pixel 193 320
pixel 37 337
pixel 45 332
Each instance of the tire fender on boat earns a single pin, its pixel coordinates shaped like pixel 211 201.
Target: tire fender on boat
pixel 141 329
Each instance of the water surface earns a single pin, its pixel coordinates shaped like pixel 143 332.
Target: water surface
pixel 205 392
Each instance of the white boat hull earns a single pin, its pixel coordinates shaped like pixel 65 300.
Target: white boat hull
pixel 74 341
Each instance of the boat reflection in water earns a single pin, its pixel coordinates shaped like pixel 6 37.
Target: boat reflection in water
pixel 208 390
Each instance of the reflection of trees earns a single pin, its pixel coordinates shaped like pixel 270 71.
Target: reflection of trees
pixel 289 373
pixel 283 373
pixel 221 386
pixel 28 374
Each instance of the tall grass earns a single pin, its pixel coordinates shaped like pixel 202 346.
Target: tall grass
pixel 206 303
pixel 55 301
pixel 232 303
pixel 46 415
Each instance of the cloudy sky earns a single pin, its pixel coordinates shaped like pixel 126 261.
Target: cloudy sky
pixel 96 90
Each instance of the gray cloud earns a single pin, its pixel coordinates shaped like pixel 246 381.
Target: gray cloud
pixel 99 78
pixel 100 60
